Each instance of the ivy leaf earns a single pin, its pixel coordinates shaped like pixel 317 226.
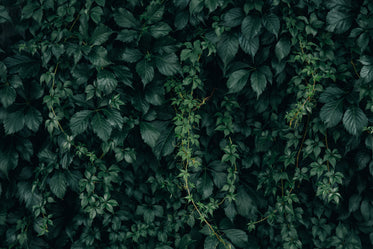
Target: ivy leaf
pixel 233 17
pixel 79 121
pixel 101 127
pixel 331 113
pixel 258 82
pixel 131 55
pixel 57 184
pixel 354 120
pixel 149 133
pixel 251 26
pixel 168 64
pixel 33 119
pixel 7 95
pixel 145 71
pixel 237 236
pixel 125 19
pixel 238 80
pixel 338 21
pixel 227 47
pixel 159 30
pixel 106 81
pixel 249 46
pixel 272 23
pixel 14 122
pixel 100 35
pixel 282 48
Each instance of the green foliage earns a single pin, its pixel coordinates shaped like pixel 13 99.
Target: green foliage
pixel 186 124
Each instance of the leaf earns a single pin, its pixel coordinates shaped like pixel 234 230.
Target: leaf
pixel 233 17
pixel 213 4
pixel 79 121
pixel 238 237
pixel 101 126
pixel 331 93
pixel 181 20
pixel 159 30
pixel 244 203
pixel 251 26
pixel 125 19
pixel 123 74
pixel 8 160
pixel 168 64
pixel 367 73
pixel 14 122
pixel 57 184
pixel 272 23
pixel 145 71
pixel 227 48
pixel 282 48
pixel 4 15
pixel 205 186
pixel 211 242
pixel 114 118
pixel 238 80
pixel 338 21
pixel 131 55
pixel 149 133
pixel 7 95
pixel 365 209
pixel 331 113
pixel 249 46
pixel 154 94
pixel 354 203
pixel 33 119
pixel 230 211
pixel 106 81
pixel 354 120
pixel 96 13
pixel 127 35
pixel 154 13
pixel 100 35
pixel 98 57
pixel 258 82
pixel 165 144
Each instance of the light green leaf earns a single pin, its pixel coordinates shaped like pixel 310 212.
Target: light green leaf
pixel 238 237
pixel 251 26
pixel 331 113
pixel 282 48
pixel 159 30
pixel 106 81
pixel 33 119
pixel 13 122
pixel 338 21
pixel 238 80
pixel 258 82
pixel 131 55
pixel 272 23
pixel 101 126
pixel 354 120
pixel 249 46
pixel 145 71
pixel 125 19
pixel 100 35
pixel 168 64
pixel 149 133
pixel 79 121
pixel 57 184
pixel 7 95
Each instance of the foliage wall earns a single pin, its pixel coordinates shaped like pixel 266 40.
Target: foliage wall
pixel 186 124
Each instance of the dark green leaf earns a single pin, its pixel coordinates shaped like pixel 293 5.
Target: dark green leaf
pixel 205 186
pixel 272 23
pixel 331 113
pixel 258 82
pixel 211 242
pixel 106 81
pixel 238 237
pixel 145 71
pixel 123 74
pixel 33 119
pixel 101 126
pixel 165 144
pixel 153 13
pixel 354 203
pixel 131 55
pixel 249 46
pixel 244 203
pixel 230 211
pixel 365 209
pixel 330 94
pixel 238 80
pixel 7 95
pixel 14 121
pixel 168 64
pixel 354 120
pixel 227 48
pixel 338 21
pixel 8 160
pixel 127 35
pixel 213 4
pixel 159 30
pixel 100 35
pixel 4 15
pixel 233 17
pixel 149 133
pixel 282 48
pixel 98 57
pixel 251 26
pixel 125 19
pixel 58 184
pixel 79 121
pixel 367 73
pixel 96 13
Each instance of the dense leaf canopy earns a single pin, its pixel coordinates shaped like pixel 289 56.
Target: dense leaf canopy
pixel 186 124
